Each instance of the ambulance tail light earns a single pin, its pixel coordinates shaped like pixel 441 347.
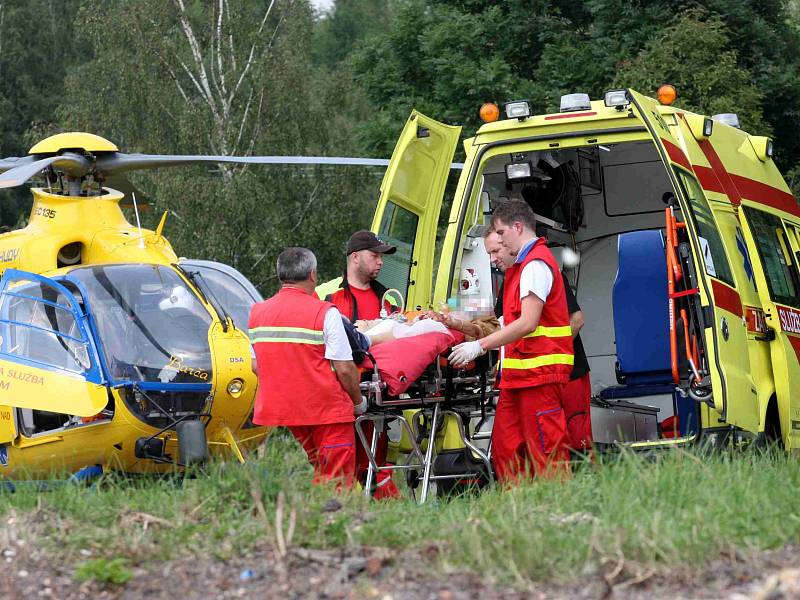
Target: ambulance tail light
pixel 616 98
pixel 763 147
pixel 731 119
pixel 518 110
pixel 700 126
pixel 571 102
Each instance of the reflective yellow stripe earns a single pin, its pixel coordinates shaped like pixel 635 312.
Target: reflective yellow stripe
pixel 551 331
pixel 293 329
pixel 539 361
pixel 255 340
pixel 287 335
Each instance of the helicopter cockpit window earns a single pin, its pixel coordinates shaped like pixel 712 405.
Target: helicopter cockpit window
pixel 38 325
pixel 230 293
pixel 151 325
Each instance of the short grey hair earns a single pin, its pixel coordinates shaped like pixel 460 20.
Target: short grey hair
pixel 296 264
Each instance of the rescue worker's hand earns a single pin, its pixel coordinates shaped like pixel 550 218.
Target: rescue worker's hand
pixel 360 409
pixel 465 353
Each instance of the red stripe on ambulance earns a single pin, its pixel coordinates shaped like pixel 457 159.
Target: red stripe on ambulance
pixel 766 194
pixel 570 115
pixel 720 172
pixel 726 298
pixel 676 155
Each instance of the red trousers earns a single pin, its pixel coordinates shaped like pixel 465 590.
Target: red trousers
pixel 331 450
pixel 385 487
pixel 575 398
pixel 529 434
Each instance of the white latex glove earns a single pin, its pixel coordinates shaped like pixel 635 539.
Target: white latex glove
pixel 465 353
pixel 361 408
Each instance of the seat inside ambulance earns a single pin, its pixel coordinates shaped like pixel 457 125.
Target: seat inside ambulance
pixel 641 331
pixel 639 327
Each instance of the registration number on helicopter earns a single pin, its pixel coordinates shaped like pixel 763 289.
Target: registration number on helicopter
pixel 45 212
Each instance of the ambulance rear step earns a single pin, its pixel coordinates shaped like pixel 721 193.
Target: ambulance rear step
pixel 615 421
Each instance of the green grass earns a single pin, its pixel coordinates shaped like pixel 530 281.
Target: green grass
pixel 104 571
pixel 633 513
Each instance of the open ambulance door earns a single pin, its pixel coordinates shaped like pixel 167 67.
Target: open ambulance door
pixel 408 208
pixel 776 241
pixel 721 316
pixel 47 360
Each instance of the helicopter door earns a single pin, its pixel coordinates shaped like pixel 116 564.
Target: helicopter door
pixel 47 360
pixel 408 208
pixel 775 242
pixel 725 331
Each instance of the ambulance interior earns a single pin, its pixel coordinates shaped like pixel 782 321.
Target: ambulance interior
pixel 607 203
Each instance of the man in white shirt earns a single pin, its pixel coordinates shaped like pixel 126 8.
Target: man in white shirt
pixel 307 380
pixel 529 428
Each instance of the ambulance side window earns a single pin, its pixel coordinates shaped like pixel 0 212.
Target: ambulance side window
pixel 775 253
pixel 398 228
pixel 716 262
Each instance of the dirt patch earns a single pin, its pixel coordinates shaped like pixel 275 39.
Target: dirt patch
pixel 31 570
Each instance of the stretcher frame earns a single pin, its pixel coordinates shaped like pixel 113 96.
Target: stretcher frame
pixel 440 392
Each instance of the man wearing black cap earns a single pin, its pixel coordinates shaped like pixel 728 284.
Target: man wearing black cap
pixel 360 296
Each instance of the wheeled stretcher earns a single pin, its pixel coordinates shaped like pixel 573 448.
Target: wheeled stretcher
pixel 409 382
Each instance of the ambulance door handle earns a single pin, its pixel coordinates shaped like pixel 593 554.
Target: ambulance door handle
pixel 769 336
pixel 723 325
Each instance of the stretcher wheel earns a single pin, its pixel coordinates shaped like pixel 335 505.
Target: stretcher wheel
pixel 413 478
pixel 456 463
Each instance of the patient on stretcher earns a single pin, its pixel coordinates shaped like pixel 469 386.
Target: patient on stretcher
pixel 402 351
pixel 384 330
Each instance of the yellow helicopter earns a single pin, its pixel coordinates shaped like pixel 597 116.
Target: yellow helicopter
pixel 115 354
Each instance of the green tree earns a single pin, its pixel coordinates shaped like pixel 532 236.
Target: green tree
pixel 37 47
pixel 229 78
pixel 448 58
pixel 338 32
pixel 695 55
pixel 445 57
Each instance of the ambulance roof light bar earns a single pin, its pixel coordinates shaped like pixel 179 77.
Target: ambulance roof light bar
pixel 731 119
pixel 572 102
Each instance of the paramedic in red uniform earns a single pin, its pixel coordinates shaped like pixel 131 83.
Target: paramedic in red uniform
pixel 577 393
pixel 529 434
pixel 307 380
pixel 360 299
pixel 360 295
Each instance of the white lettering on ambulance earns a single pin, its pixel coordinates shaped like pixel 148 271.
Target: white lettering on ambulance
pixel 790 320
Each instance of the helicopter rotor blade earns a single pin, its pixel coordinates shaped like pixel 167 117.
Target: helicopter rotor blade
pixel 15 161
pixel 72 164
pixel 119 162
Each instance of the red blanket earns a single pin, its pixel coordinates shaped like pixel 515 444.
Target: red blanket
pixel 402 361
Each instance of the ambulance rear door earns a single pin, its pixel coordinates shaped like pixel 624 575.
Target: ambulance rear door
pixel 776 241
pixel 724 326
pixel 408 208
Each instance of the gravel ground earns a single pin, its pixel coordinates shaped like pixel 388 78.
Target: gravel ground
pixel 31 570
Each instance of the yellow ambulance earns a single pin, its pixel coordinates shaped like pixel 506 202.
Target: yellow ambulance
pixel 689 246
